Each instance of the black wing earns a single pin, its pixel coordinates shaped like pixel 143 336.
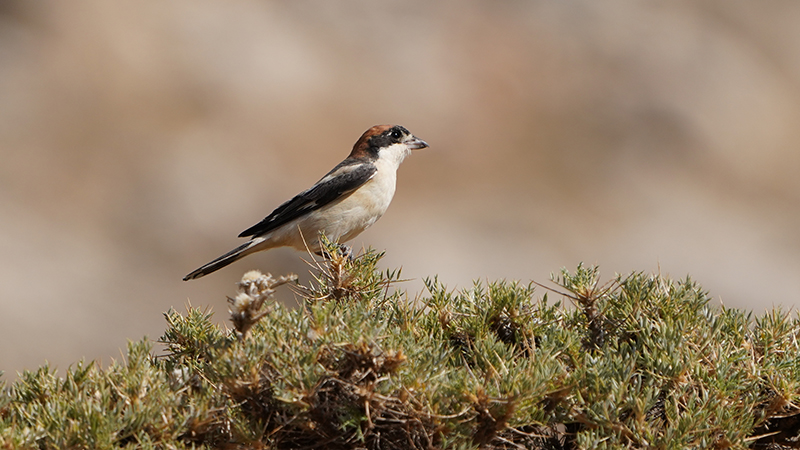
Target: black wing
pixel 338 183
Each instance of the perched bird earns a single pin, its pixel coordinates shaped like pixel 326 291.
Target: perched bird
pixel 342 204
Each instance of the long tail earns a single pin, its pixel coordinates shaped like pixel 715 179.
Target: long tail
pixel 233 255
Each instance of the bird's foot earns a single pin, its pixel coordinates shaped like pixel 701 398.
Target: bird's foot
pixel 344 250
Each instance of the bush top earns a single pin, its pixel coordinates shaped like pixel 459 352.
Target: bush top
pixel 639 362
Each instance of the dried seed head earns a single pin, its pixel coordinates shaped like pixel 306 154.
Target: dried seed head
pixel 242 302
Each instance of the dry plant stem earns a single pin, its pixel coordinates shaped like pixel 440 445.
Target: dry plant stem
pixel 255 288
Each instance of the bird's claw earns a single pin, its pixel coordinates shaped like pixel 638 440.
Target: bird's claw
pixel 346 251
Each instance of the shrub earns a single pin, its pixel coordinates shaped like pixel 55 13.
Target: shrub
pixel 638 362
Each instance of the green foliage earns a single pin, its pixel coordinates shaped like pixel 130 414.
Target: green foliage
pixel 639 362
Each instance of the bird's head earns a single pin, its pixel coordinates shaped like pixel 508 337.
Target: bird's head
pixel 393 142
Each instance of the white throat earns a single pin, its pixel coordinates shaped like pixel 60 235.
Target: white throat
pixel 393 155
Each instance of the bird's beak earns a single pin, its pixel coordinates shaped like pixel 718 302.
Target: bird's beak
pixel 416 143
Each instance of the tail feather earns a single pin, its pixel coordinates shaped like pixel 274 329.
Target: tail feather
pixel 228 258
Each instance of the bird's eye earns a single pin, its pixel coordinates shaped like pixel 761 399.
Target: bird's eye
pixel 396 134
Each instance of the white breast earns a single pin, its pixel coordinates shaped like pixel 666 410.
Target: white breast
pixel 347 218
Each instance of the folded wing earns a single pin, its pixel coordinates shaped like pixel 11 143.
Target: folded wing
pixel 336 185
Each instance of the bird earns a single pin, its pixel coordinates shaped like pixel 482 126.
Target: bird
pixel 342 204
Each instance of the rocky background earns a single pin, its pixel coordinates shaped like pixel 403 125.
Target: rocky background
pixel 138 138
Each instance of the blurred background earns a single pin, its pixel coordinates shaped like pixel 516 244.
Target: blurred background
pixel 138 138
